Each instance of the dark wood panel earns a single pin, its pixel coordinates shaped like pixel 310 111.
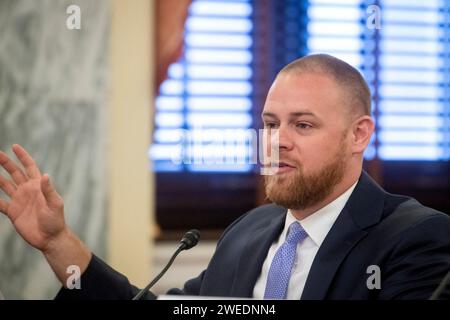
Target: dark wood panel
pixel 428 182
pixel 202 200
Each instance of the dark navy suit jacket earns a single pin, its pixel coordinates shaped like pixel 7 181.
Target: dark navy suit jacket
pixel 409 243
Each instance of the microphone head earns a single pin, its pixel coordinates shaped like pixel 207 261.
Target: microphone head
pixel 190 239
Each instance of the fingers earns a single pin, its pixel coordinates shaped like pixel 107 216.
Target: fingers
pixel 27 161
pixel 4 206
pixel 7 186
pixel 50 194
pixel 15 172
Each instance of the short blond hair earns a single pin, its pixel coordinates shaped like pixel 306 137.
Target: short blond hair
pixel 346 76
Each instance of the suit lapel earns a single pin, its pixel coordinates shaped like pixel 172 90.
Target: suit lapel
pixel 339 241
pixel 363 209
pixel 254 254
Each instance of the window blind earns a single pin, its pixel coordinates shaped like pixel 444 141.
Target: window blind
pixel 408 58
pixel 204 108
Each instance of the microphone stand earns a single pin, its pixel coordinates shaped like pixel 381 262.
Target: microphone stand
pixel 151 284
pixel 189 240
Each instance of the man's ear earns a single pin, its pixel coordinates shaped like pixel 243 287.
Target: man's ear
pixel 362 129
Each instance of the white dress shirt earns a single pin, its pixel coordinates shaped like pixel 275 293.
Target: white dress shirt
pixel 317 226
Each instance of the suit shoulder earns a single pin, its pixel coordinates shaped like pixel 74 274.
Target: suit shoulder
pixel 266 211
pixel 431 217
pixel 254 218
pixel 409 209
pixel 413 218
pixel 260 214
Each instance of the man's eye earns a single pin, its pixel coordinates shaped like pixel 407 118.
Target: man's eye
pixel 270 125
pixel 303 125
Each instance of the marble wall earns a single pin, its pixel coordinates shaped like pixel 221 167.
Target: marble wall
pixel 53 89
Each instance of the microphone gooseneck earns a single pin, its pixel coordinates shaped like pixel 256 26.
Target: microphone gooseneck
pixel 189 240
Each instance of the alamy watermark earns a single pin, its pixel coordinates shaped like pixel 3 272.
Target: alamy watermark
pixel 373 21
pixel 227 147
pixel 374 280
pixel 73 21
pixel 73 281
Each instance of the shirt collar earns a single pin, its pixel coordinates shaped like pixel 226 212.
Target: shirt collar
pixel 318 224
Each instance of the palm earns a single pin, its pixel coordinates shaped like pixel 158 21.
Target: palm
pixel 32 217
pixel 35 209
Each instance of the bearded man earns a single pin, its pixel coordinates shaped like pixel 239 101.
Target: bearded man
pixel 330 233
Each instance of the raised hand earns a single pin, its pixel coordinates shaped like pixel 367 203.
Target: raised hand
pixel 35 208
pixel 37 212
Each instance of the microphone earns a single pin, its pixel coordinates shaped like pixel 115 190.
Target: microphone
pixel 437 293
pixel 189 240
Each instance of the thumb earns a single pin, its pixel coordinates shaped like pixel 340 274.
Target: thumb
pixel 50 194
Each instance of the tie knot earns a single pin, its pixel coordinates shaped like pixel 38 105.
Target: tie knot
pixel 296 233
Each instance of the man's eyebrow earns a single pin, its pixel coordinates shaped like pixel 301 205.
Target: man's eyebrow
pixel 269 115
pixel 303 113
pixel 293 114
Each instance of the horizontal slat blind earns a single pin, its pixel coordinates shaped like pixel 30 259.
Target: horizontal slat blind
pixel 204 107
pixel 412 69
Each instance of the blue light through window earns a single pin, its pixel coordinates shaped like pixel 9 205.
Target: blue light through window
pixel 413 124
pixel 413 77
pixel 408 66
pixel 209 88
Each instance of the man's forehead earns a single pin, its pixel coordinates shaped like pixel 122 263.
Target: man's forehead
pixel 277 109
pixel 273 107
pixel 296 99
pixel 306 85
pixel 304 79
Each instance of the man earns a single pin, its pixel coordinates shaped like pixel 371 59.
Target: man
pixel 332 232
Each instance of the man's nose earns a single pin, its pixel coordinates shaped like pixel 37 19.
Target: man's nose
pixel 282 139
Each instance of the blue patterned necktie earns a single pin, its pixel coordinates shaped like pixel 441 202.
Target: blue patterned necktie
pixel 282 263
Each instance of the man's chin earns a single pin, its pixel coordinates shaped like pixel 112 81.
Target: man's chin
pixel 277 185
pixel 282 179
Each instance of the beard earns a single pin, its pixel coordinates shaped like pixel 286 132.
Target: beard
pixel 298 191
